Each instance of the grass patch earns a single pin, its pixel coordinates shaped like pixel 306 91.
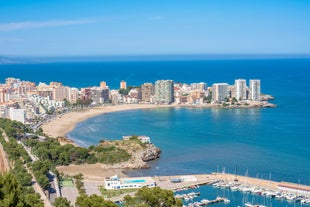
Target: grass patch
pixel 113 193
pixel 66 183
pixel 111 154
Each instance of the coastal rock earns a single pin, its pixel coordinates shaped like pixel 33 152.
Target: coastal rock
pixel 266 97
pixel 151 153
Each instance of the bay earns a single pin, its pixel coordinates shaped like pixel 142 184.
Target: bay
pixel 266 143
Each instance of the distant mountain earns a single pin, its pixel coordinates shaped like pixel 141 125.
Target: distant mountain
pixel 19 60
pixel 7 60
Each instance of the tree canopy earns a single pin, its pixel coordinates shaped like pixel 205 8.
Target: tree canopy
pixel 153 197
pixel 93 201
pixel 12 194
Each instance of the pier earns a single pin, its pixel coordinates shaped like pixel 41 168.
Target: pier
pixel 279 190
pixel 207 179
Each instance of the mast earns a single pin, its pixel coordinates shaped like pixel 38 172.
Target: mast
pixel 236 179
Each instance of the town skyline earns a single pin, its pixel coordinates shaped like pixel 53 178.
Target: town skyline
pixel 27 102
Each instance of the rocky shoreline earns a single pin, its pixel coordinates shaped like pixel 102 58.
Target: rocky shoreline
pixel 140 156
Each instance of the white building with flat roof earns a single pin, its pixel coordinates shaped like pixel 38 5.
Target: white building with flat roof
pixel 115 182
pixel 255 90
pixel 143 139
pixel 219 92
pixel 17 114
pixel 240 89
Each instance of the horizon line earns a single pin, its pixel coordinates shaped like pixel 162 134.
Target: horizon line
pixel 143 57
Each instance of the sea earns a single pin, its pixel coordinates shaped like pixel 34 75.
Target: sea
pixel 268 143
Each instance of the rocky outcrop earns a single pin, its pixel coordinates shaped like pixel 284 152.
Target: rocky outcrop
pixel 150 153
pixel 266 97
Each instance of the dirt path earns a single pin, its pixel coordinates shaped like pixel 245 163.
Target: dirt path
pixel 4 161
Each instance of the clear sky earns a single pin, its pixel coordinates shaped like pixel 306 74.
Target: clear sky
pixel 132 27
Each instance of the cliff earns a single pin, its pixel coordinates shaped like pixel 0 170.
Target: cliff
pixel 150 153
pixel 140 153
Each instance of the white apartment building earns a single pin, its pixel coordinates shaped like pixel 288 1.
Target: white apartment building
pixel 219 92
pixel 17 114
pixel 240 89
pixel 255 90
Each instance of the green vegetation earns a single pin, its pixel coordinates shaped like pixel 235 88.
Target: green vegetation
pixel 79 184
pixel 52 154
pixel 12 193
pixel 126 91
pixel 13 128
pixel 16 190
pixel 110 154
pixel 67 154
pixel 135 139
pixel 234 100
pixel 40 170
pixel 113 193
pixel 82 102
pixel 93 201
pixel 66 182
pixel 154 197
pixel 19 159
pixel 21 174
pixel 62 202
pixel 208 99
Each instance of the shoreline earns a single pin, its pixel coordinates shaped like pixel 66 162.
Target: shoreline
pixel 62 125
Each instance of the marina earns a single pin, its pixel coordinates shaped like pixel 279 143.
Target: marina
pixel 247 188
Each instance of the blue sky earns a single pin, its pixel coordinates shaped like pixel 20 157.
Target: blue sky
pixel 130 27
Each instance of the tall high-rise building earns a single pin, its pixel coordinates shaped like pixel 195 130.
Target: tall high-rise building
pixel 123 85
pixel 255 90
pixel 164 91
pixel 219 92
pixel 240 89
pixel 147 90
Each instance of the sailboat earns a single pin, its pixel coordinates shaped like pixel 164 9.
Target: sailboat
pixel 254 205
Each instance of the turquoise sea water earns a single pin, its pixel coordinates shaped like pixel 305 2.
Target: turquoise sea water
pixel 237 198
pixel 268 143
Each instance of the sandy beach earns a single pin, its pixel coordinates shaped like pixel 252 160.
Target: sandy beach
pixel 60 126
